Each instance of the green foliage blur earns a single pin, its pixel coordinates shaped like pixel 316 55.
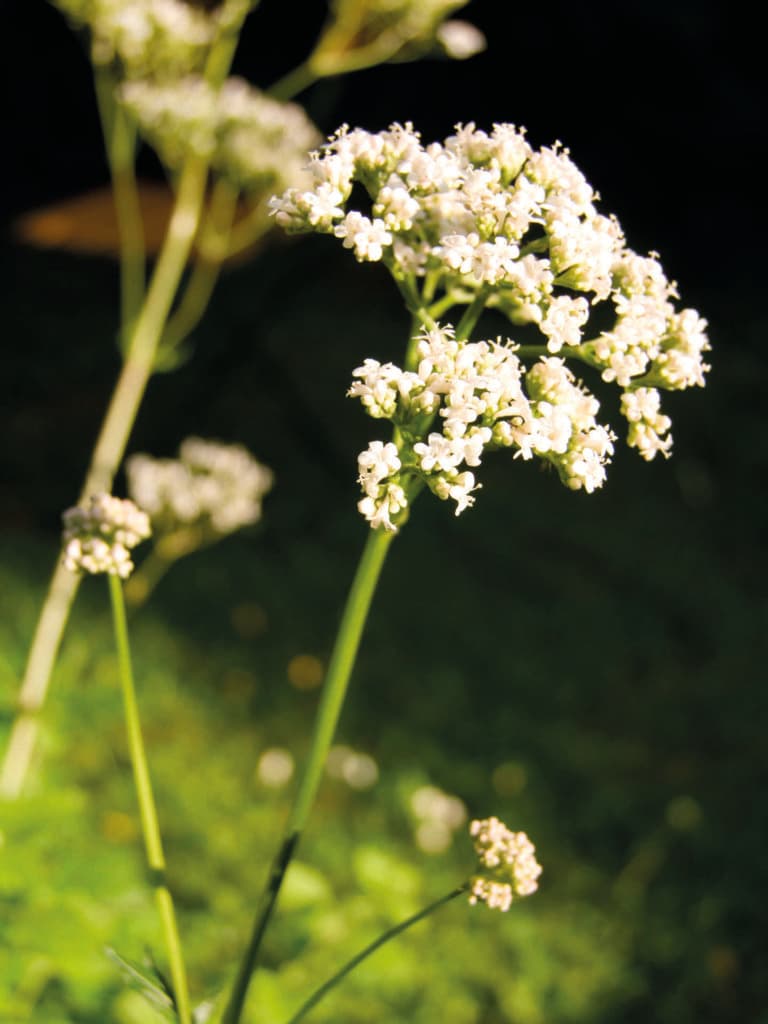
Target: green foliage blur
pixel 588 668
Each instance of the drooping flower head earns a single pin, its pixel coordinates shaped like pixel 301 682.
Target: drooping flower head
pixel 99 536
pixel 484 220
pixel 507 865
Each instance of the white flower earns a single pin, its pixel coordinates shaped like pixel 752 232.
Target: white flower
pixel 367 237
pixel 218 487
pixel 99 536
pixel 460 39
pixel 507 864
pixel 648 427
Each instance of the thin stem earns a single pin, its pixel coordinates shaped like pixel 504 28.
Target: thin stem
pixel 339 670
pixel 392 933
pixel 107 454
pixel 472 314
pixel 296 81
pixel 120 145
pixel 148 812
pixel 116 428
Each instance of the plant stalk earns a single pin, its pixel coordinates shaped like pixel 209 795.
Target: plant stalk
pixel 339 671
pixel 107 454
pixel 385 937
pixel 147 810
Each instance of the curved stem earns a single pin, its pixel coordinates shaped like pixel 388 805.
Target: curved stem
pixel 339 670
pixel 385 937
pixel 294 82
pixel 107 454
pixel 118 422
pixel 150 827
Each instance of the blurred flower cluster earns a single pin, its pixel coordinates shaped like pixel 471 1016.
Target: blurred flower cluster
pixel 217 487
pixel 507 861
pixel 157 38
pixel 254 141
pixel 99 536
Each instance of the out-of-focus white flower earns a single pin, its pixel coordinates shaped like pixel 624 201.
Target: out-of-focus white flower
pixel 438 815
pixel 158 38
pixel 507 864
pixel 460 39
pixel 216 486
pixel 99 536
pixel 354 767
pixel 256 141
pixel 275 767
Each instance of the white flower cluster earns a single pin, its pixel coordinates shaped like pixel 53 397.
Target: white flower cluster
pixel 99 536
pixel 218 487
pixel 256 141
pixel 508 865
pixel 159 38
pixel 488 214
pixel 481 397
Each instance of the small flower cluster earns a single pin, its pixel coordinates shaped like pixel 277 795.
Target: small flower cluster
pixel 256 141
pixel 99 536
pixel 508 865
pixel 487 215
pixel 476 392
pixel 216 486
pixel 158 38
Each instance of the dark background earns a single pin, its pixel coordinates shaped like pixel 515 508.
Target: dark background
pixel 637 616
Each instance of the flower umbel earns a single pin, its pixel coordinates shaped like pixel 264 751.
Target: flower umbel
pixel 486 219
pixel 99 536
pixel 507 864
pixel 462 399
pixel 218 487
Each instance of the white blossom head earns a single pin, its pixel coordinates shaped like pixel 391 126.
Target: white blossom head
pixel 461 400
pixel 162 39
pixel 217 487
pixel 507 865
pixel 485 216
pixel 485 220
pixel 99 536
pixel 259 143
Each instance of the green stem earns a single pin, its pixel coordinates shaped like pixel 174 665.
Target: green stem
pixel 148 812
pixel 107 454
pixel 294 82
pixel 472 314
pixel 113 437
pixel 531 350
pixel 332 982
pixel 339 670
pixel 120 145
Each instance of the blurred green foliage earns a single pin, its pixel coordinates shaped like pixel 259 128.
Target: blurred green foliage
pixel 589 669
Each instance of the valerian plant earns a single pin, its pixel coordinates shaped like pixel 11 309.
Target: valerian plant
pixel 481 221
pixel 161 72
